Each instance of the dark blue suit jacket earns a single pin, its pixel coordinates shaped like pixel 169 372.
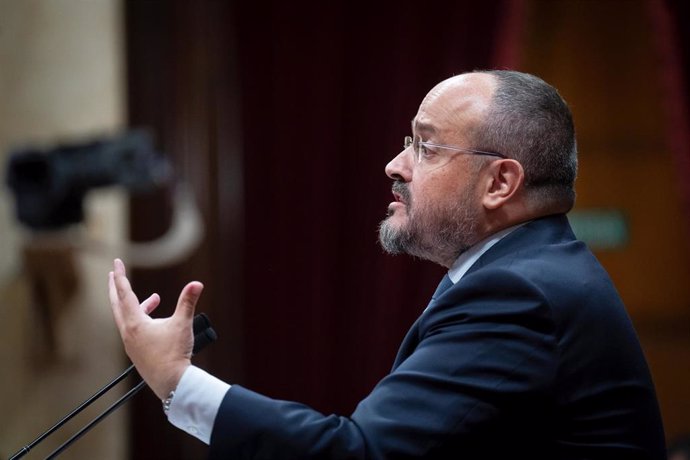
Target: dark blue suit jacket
pixel 530 355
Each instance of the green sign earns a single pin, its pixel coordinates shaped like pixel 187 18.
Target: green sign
pixel 600 228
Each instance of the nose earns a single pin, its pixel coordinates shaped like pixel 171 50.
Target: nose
pixel 399 168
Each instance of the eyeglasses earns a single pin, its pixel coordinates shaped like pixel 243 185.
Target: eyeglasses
pixel 424 151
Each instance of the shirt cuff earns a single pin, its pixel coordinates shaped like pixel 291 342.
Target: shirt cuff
pixel 198 397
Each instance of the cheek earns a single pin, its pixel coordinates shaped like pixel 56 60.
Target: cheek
pixel 434 189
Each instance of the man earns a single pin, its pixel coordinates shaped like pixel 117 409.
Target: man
pixel 525 348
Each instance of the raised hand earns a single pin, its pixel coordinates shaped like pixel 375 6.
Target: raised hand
pixel 161 348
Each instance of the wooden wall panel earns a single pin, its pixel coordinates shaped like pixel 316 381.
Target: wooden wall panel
pixel 602 57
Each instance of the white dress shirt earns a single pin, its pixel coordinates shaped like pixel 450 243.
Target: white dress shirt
pixel 199 394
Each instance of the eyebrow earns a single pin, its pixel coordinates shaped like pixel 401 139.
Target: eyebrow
pixel 419 126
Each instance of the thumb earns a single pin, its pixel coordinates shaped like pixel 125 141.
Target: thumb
pixel 186 304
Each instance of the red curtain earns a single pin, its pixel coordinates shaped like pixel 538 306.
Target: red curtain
pixel 319 95
pixel 670 20
pixel 328 92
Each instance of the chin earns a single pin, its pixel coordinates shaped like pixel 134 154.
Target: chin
pixel 396 221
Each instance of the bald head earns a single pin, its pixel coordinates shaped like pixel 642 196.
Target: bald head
pixel 469 91
pixel 460 101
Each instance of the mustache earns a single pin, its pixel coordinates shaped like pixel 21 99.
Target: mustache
pixel 402 189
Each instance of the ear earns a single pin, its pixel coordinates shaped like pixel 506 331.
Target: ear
pixel 504 178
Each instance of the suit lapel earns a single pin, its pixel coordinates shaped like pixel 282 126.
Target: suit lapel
pixel 411 339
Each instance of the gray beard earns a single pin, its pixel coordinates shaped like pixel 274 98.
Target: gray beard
pixel 433 233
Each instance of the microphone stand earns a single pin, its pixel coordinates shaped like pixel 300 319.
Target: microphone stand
pixel 203 335
pixel 25 450
pixel 95 421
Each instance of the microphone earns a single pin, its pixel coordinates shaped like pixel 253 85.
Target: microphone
pixel 203 336
pixel 203 333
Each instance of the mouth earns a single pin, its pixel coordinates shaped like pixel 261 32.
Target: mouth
pixel 401 198
pixel 401 193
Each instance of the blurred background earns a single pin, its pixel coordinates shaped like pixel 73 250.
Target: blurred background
pixel 276 120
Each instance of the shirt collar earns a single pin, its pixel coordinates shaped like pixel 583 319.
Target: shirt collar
pixel 465 261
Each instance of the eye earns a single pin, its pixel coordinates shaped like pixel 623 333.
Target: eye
pixel 423 151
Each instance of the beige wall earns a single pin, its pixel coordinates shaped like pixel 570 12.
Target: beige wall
pixel 61 79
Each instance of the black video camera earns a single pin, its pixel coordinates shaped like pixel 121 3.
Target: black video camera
pixel 50 185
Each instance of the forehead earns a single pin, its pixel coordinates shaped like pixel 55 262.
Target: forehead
pixel 454 106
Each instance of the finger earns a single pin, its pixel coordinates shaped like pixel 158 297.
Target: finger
pixel 189 296
pixel 121 281
pixel 120 266
pixel 114 301
pixel 126 299
pixel 150 304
